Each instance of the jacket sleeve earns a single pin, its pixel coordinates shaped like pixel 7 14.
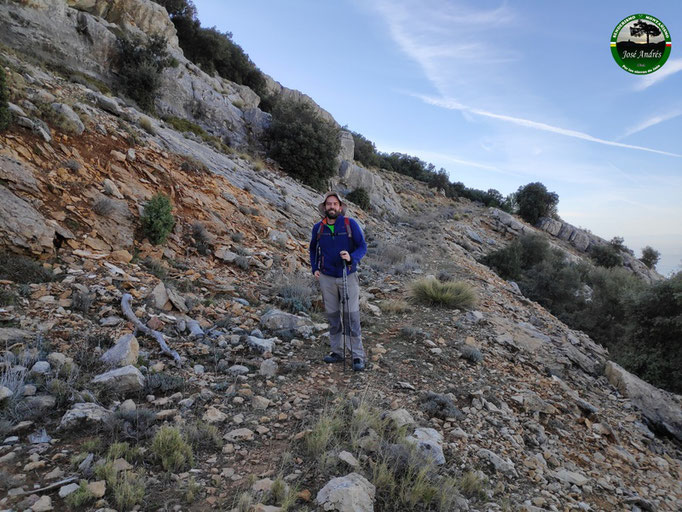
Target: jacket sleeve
pixel 359 242
pixel 313 249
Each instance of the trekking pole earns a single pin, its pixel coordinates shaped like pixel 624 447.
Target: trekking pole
pixel 344 307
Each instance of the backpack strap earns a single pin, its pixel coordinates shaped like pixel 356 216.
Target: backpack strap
pixel 319 231
pixel 346 221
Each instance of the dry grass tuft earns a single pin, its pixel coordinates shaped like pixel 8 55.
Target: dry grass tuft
pixel 452 294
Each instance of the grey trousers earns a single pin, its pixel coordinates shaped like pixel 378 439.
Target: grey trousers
pixel 332 294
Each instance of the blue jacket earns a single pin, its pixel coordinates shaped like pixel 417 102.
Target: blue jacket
pixel 324 255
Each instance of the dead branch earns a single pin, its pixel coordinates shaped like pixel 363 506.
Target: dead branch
pixel 51 486
pixel 130 315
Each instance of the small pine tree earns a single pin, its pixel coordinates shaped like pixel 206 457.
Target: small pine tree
pixel 5 115
pixel 157 220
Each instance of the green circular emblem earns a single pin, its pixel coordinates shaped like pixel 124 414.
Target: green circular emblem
pixel 640 44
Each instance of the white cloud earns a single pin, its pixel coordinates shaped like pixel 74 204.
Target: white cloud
pixel 444 37
pixel 669 68
pixel 652 121
pixel 528 123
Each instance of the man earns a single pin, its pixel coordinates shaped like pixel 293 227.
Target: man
pixel 337 242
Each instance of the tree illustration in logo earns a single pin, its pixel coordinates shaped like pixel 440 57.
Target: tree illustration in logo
pixel 642 27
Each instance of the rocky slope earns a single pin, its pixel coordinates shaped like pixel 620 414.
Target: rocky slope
pixel 502 395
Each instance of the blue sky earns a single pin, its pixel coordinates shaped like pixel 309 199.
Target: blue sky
pixel 500 94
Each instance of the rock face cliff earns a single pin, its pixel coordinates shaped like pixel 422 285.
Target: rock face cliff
pixel 578 242
pixel 80 36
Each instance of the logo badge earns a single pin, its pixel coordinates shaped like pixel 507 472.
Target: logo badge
pixel 640 44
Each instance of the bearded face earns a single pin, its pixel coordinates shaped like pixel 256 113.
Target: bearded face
pixel 332 207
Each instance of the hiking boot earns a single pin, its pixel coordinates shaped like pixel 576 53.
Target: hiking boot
pixel 333 357
pixel 358 364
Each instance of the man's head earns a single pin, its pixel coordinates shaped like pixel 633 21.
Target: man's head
pixel 332 206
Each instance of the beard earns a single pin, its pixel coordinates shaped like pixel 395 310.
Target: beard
pixel 332 214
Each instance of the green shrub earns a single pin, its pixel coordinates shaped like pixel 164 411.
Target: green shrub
pixel 650 256
pixel 21 269
pixel 139 67
pixel 506 261
pixel 172 450
pixel 296 292
pixel 80 497
pixel 360 197
pixel 304 144
pixel 202 436
pixel 534 201
pixel 606 256
pixel 5 116
pixel 157 220
pixel 365 151
pixel 452 294
pixel 128 490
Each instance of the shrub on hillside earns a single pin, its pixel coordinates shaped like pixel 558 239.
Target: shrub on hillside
pixel 506 261
pixel 607 256
pixel 172 450
pixel 157 220
pixel 5 116
pixel 21 269
pixel 534 201
pixel 452 294
pixel 365 151
pixel 139 66
pixel 360 197
pixel 653 350
pixel 215 51
pixel 650 256
pixel 303 143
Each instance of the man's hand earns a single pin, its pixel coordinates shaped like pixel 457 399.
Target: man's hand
pixel 317 274
pixel 345 256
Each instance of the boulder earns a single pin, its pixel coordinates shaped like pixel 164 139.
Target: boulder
pixel 500 465
pixel 429 444
pixel 121 380
pixel 5 393
pixel 67 120
pixel 261 345
pixel 400 417
pixel 88 413
pixel 661 409
pixel 22 226
pixel 350 493
pixel 276 320
pixel 123 353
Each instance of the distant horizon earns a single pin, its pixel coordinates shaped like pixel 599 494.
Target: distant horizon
pixel 465 86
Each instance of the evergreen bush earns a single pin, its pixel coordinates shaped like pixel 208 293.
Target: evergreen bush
pixel 360 197
pixel 650 256
pixel 303 143
pixel 157 220
pixel 140 65
pixel 534 201
pixel 607 256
